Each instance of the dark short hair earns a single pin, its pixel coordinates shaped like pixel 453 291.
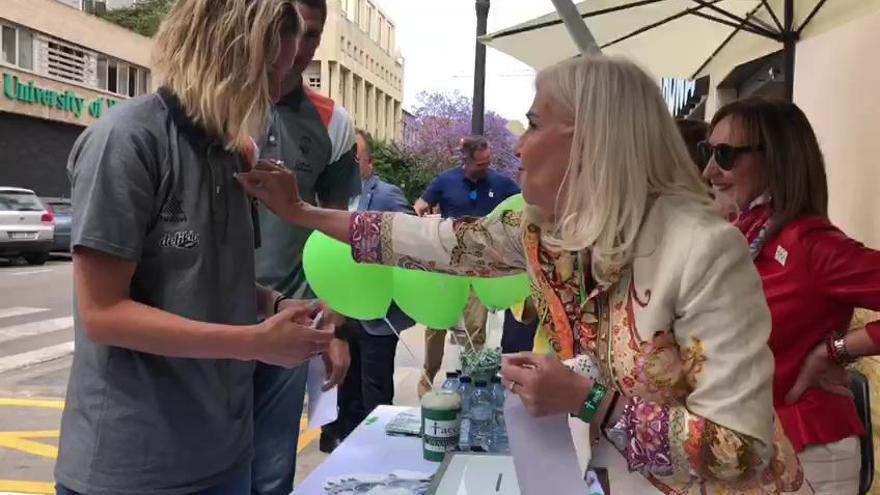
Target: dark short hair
pixel 368 139
pixel 693 131
pixel 471 144
pixel 795 165
pixel 315 4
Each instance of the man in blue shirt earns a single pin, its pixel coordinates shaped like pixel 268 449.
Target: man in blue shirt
pixel 471 190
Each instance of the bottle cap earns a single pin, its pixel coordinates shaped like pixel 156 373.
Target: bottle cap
pixel 464 379
pixel 451 374
pixel 480 384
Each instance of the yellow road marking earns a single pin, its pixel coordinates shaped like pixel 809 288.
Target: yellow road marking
pixel 44 403
pixel 33 434
pixel 23 441
pixel 37 487
pixel 306 436
pixel 20 440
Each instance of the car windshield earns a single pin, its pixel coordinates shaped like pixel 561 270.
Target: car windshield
pixel 19 201
pixel 61 207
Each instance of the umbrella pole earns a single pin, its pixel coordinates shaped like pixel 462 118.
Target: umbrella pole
pixel 479 109
pixel 789 40
pixel 576 27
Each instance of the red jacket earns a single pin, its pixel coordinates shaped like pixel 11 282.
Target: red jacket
pixel 814 276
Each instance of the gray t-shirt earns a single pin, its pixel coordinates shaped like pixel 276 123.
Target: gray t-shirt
pixel 315 138
pixel 151 188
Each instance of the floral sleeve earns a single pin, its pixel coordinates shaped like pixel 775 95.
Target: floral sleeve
pixel 487 247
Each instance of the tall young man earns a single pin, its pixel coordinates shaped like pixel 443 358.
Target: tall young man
pixel 315 138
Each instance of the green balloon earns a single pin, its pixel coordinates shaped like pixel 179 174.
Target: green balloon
pixel 501 292
pixel 512 203
pixel 433 299
pixel 351 289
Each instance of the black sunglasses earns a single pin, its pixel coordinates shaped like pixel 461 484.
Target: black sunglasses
pixel 725 154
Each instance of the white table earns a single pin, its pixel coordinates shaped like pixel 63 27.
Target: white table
pixel 368 450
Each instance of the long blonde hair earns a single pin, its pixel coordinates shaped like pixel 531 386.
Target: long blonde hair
pixel 215 56
pixel 625 150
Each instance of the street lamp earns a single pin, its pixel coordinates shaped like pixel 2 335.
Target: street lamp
pixel 477 122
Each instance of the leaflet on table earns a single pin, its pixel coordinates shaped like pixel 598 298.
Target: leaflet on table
pixel 322 405
pixel 543 452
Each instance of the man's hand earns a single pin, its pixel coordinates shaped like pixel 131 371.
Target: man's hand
pixel 288 339
pixel 422 207
pixel 337 359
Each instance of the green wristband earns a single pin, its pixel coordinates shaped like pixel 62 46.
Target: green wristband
pixel 594 400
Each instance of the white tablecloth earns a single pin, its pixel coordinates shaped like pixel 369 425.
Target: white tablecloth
pixel 368 450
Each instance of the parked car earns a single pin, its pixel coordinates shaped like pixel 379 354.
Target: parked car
pixel 60 208
pixel 27 227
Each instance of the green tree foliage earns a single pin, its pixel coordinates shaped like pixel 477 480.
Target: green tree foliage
pixel 403 168
pixel 143 17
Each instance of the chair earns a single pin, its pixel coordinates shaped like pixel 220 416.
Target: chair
pixel 859 386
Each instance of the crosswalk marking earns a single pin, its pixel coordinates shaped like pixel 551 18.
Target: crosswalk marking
pixel 37 356
pixel 29 272
pixel 19 311
pixel 35 328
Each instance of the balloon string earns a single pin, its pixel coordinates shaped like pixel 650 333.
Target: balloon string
pixel 408 349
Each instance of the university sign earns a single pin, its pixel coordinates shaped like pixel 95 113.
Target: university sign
pixel 66 101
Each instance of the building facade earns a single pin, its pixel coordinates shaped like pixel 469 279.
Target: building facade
pixel 359 66
pixel 61 69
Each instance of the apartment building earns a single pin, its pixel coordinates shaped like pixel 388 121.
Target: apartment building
pixel 61 69
pixel 360 66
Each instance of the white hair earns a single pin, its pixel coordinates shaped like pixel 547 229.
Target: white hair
pixel 626 149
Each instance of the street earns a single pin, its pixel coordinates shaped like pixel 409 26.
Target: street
pixel 36 345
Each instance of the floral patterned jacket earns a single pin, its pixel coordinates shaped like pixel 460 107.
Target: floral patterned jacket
pixel 682 333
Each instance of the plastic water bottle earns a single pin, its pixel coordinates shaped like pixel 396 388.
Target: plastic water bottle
pixel 465 390
pixel 482 417
pixel 451 382
pixel 499 442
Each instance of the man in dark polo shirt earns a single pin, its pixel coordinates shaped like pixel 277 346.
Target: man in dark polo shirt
pixel 315 138
pixel 471 190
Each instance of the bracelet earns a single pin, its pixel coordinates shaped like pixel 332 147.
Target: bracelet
pixel 594 400
pixel 278 299
pixel 835 346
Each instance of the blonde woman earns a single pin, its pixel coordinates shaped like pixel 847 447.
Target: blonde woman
pixel 160 392
pixel 643 290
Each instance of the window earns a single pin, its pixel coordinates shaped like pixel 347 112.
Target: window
pixel 132 81
pixel 19 201
pixel 96 7
pixel 122 84
pixel 111 76
pixel 122 78
pixel 315 82
pixel 102 72
pixel 9 45
pixel 25 49
pixel 143 82
pixel 354 103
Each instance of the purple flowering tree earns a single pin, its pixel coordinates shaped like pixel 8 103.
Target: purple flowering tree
pixel 441 120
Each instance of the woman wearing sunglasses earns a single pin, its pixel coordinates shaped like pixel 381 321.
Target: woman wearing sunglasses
pixel 640 287
pixel 765 156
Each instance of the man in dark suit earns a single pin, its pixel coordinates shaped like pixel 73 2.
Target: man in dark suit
pixel 373 344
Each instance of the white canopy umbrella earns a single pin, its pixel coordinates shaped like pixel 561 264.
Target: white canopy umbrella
pixel 679 38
